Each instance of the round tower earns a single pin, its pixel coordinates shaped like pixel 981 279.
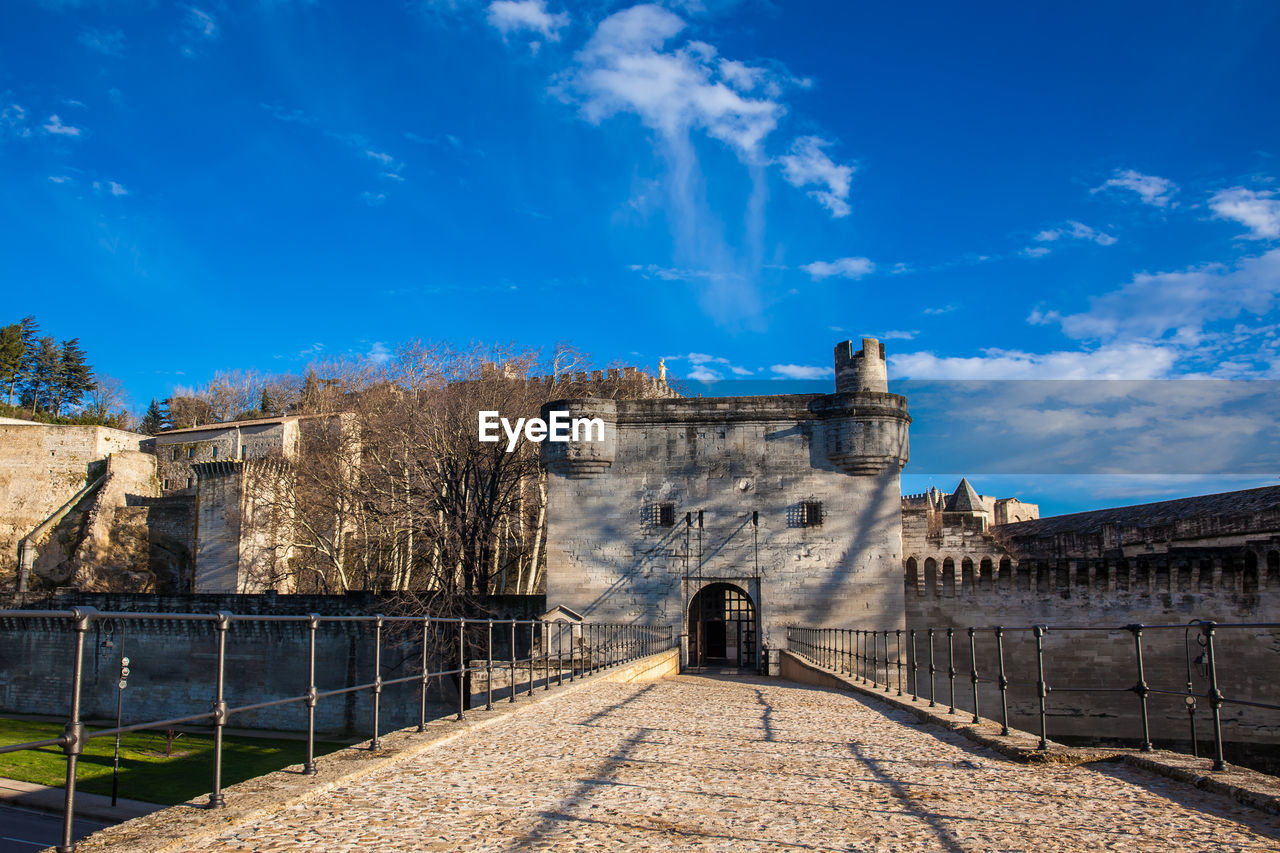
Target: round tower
pixel 863 370
pixel 591 454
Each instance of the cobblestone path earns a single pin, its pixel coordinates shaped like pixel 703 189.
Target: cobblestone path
pixel 752 764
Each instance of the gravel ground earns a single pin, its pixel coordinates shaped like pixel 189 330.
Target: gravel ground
pixel 720 763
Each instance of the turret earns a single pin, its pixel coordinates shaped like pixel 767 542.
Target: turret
pixel 865 426
pixel 592 453
pixel 863 370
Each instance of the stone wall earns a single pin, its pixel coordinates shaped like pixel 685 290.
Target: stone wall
pixel 173 664
pixel 41 468
pixel 1221 584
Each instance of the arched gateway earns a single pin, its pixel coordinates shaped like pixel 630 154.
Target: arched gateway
pixel 722 627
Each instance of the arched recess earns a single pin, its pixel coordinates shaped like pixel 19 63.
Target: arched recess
pixel 722 627
pixel 913 577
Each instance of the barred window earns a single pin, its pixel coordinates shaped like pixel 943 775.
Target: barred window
pixel 811 513
pixel 665 515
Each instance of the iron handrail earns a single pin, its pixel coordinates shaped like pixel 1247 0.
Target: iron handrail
pixel 830 648
pixel 608 643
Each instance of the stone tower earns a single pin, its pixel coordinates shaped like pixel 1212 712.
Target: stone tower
pixel 732 517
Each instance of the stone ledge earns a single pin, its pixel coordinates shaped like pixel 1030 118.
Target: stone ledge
pixel 1248 787
pixel 175 828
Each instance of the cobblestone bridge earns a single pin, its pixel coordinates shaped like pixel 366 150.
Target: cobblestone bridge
pixel 711 763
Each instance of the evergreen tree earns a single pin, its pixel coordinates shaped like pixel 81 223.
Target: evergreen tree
pixel 40 377
pixel 73 377
pixel 29 332
pixel 11 350
pixel 153 420
pixel 266 405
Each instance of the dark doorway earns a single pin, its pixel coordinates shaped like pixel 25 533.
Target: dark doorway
pixel 722 628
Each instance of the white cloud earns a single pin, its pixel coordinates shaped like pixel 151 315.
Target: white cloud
pixel 676 274
pixel 106 42
pixel 1152 190
pixel 13 122
pixel 709 368
pixel 1076 231
pixel 116 189
pixel 508 16
pixel 626 67
pixel 1259 211
pixel 942 309
pixel 1178 304
pixel 1124 361
pixel 842 267
pixel 55 127
pixel 1035 251
pixel 898 335
pixel 384 159
pixel 379 353
pixel 201 23
pixel 801 371
pixel 373 199
pixel 60 179
pixel 807 164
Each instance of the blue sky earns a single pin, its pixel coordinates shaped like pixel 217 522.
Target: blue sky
pixel 999 191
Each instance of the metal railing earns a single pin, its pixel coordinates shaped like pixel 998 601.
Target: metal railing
pixel 892 658
pixel 593 647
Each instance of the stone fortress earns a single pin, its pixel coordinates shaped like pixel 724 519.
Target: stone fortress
pixel 727 518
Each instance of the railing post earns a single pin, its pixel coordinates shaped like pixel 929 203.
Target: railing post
pixel 216 799
pixel 1042 689
pixel 376 743
pixel 888 675
pixel 73 734
pixel 915 667
pixel 313 622
pixel 973 675
pixel 1141 687
pixel 898 656
pixel 1003 682
pixel 932 670
pixel 559 655
pixel 546 654
pixel 951 669
pixel 422 684
pixel 513 661
pixel 488 670
pixel 464 689
pixel 532 646
pixel 1215 697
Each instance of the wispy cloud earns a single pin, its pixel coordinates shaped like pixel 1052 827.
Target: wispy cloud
pixel 13 122
pixel 379 353
pixel 841 267
pixel 1258 211
pixel 109 187
pixel 108 42
pixel 1035 251
pixel 198 28
pixel 801 371
pixel 373 199
pixel 808 165
pixel 1125 361
pixel 1075 231
pixel 897 335
pixel 678 274
pixel 1152 190
pixel 55 127
pixel 940 310
pixel 709 368
pixel 514 16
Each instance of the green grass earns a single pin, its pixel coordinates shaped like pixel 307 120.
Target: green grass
pixel 145 773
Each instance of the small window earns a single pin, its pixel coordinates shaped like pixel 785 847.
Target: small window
pixel 191 453
pixel 164 484
pixel 175 453
pixel 215 452
pixel 244 451
pixel 189 482
pixel 666 515
pixel 811 513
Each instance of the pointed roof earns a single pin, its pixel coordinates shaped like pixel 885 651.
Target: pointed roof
pixel 965 499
